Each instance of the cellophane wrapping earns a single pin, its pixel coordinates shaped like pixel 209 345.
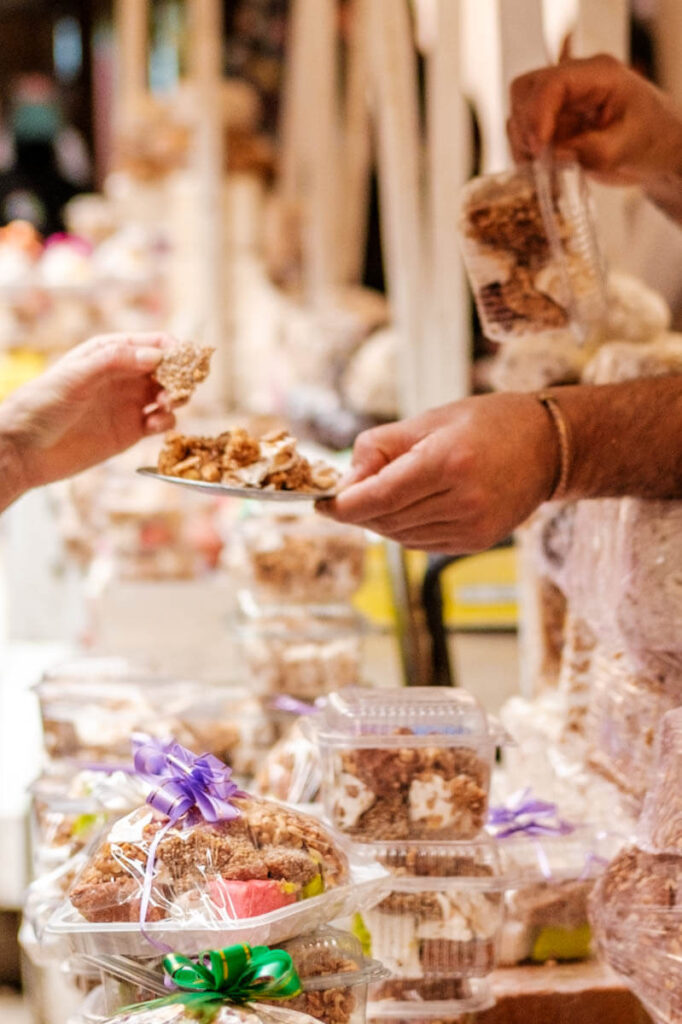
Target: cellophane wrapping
pixel 660 824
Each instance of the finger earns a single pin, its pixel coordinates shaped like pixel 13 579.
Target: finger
pixel 439 507
pixel 144 339
pixel 408 478
pixel 118 359
pixel 596 150
pixel 159 422
pixel 517 143
pixel 374 449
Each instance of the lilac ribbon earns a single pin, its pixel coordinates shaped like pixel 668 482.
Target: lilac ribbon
pixel 184 786
pixel 528 816
pixel 292 706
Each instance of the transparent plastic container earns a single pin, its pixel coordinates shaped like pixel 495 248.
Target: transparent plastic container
pixel 531 252
pixel 334 976
pixel 442 918
pixel 284 560
pixel 291 770
pixel 549 882
pixel 91 719
pixel 410 763
pixel 263 877
pixel 303 655
pixel 456 1001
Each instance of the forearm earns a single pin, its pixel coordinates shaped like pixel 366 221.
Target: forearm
pixel 626 439
pixel 12 483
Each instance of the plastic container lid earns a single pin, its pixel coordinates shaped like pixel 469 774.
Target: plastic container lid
pixel 476 996
pixel 580 855
pixel 414 716
pixel 419 865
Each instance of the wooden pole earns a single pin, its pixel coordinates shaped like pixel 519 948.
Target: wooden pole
pixel 446 349
pixel 394 84
pixel 357 155
pixel 132 28
pixel 206 29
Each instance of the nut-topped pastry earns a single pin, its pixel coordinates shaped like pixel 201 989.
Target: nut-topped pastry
pixel 182 369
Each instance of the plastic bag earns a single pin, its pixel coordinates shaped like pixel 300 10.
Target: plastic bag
pixel 660 825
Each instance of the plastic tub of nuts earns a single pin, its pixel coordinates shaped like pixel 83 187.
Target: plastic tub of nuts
pixel 302 654
pixel 333 970
pixel 531 252
pixel 441 921
pixel 410 763
pixel 294 559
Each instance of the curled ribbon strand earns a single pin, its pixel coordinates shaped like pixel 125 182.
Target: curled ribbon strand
pixel 528 815
pixel 237 974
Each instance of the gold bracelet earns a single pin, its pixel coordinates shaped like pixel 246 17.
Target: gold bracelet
pixel 563 432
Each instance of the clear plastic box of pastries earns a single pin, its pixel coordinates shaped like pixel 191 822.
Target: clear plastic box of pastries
pixel 549 881
pixel 262 876
pixel 531 252
pixel 331 965
pixel 441 920
pixel 92 1012
pixel 91 707
pixel 405 763
pixel 302 654
pixel 282 560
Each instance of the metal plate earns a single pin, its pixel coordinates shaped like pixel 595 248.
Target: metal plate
pixel 250 493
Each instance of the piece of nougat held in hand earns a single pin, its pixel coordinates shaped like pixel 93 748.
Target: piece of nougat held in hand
pixel 183 367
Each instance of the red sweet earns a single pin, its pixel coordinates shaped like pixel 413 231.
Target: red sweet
pixel 236 899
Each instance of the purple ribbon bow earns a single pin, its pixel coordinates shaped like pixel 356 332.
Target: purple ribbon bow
pixel 184 787
pixel 525 814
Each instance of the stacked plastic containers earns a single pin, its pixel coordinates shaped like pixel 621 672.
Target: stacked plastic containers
pixel 636 906
pixel 298 633
pixel 264 875
pixel 531 253
pixel 406 774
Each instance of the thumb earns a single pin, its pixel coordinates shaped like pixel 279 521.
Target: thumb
pixel 374 449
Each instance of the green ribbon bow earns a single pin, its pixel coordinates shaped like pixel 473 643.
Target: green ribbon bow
pixel 238 974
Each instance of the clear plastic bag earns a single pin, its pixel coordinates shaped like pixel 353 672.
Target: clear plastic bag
pixel 333 971
pixel 262 877
pixel 625 709
pixel 440 921
pixel 531 252
pixel 660 824
pixel 414 763
pixel 291 770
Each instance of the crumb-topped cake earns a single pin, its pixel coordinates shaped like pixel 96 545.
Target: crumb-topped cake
pixel 238 459
pixel 267 858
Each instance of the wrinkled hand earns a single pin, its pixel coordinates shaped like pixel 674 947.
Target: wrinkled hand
pixel 456 479
pixel 600 112
pixel 84 409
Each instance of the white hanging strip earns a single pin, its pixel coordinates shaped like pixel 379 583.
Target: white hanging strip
pixel 446 347
pixel 322 148
pixel 206 33
pixel 131 23
pixel 293 122
pixel 357 151
pixel 394 86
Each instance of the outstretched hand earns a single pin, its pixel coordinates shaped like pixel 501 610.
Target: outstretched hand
pixel 96 401
pixel 454 480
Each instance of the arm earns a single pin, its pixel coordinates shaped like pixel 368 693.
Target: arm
pixel 460 478
pixel 87 407
pixel 598 111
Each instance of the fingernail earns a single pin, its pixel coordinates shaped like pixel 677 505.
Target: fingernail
pixel 148 358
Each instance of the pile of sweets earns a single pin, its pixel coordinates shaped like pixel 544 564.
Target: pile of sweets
pixel 405 775
pixel 636 907
pixel 531 253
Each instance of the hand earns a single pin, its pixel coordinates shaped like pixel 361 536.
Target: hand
pixel 84 409
pixel 455 480
pixel 601 113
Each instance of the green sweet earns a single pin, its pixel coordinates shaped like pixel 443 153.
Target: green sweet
pixel 359 930
pixel 315 887
pixel 562 944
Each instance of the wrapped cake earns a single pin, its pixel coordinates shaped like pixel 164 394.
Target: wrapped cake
pixel 530 250
pixel 410 763
pixel 291 770
pixel 660 825
pixel 202 859
pixel 441 921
